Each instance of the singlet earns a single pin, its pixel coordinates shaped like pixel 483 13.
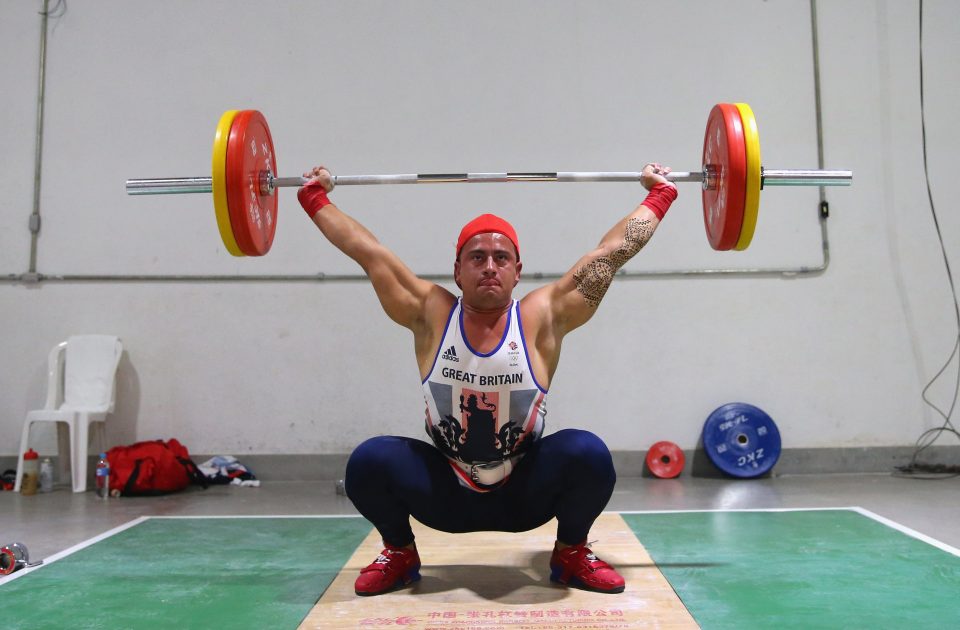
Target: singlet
pixel 483 408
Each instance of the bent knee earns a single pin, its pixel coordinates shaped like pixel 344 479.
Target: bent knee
pixel 587 452
pixel 374 451
pixel 584 443
pixel 369 465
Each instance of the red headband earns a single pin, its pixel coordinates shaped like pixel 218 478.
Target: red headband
pixel 487 223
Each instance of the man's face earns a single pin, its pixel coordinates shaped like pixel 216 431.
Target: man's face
pixel 487 271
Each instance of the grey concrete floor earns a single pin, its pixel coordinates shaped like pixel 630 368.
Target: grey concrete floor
pixel 49 523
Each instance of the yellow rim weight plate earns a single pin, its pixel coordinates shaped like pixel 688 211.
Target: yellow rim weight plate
pixel 220 182
pixel 751 138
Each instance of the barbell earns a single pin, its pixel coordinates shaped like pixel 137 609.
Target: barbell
pixel 244 183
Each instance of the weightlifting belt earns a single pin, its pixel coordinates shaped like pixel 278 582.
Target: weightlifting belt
pixel 485 474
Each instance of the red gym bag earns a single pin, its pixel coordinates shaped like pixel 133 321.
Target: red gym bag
pixel 154 467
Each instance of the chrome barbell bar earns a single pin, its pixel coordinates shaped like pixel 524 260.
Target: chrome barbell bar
pixel 269 183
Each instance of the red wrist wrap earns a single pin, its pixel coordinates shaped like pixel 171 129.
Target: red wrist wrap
pixel 660 198
pixel 313 197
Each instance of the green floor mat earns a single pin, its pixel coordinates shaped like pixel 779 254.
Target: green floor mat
pixel 233 573
pixel 801 569
pixel 791 569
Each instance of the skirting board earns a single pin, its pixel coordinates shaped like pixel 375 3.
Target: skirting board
pixel 796 461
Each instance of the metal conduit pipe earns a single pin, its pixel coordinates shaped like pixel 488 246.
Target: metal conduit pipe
pixel 786 272
pixel 33 277
pixel 824 206
pixel 34 223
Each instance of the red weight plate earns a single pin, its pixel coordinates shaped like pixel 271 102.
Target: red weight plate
pixel 8 561
pixel 665 460
pixel 725 161
pixel 253 215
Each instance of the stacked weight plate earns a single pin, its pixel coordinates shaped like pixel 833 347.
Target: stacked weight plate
pixel 243 155
pixel 733 174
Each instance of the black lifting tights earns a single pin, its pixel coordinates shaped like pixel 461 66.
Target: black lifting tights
pixel 568 474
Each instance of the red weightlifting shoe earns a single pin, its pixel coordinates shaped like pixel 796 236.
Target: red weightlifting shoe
pixel 394 568
pixel 576 566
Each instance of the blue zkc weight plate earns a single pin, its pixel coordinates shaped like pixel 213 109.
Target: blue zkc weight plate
pixel 741 440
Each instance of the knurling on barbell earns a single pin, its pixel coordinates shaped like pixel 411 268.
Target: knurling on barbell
pixel 244 180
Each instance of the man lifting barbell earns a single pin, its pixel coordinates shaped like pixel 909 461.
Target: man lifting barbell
pixel 483 382
pixel 486 361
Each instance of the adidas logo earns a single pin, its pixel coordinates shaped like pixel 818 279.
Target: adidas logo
pixel 450 354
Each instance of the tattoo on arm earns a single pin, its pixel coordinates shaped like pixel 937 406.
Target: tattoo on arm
pixel 594 278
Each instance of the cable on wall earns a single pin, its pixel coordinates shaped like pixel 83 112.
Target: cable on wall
pixel 915 469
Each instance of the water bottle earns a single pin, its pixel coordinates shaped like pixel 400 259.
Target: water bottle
pixel 46 475
pixel 31 471
pixel 103 477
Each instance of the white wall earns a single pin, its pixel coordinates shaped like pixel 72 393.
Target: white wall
pixel 134 89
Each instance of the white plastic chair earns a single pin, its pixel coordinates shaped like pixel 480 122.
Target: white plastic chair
pixel 81 391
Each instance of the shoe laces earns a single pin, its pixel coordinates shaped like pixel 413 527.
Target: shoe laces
pixel 594 563
pixel 384 558
pixel 586 557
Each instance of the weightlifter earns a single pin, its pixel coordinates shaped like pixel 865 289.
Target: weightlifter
pixel 486 361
